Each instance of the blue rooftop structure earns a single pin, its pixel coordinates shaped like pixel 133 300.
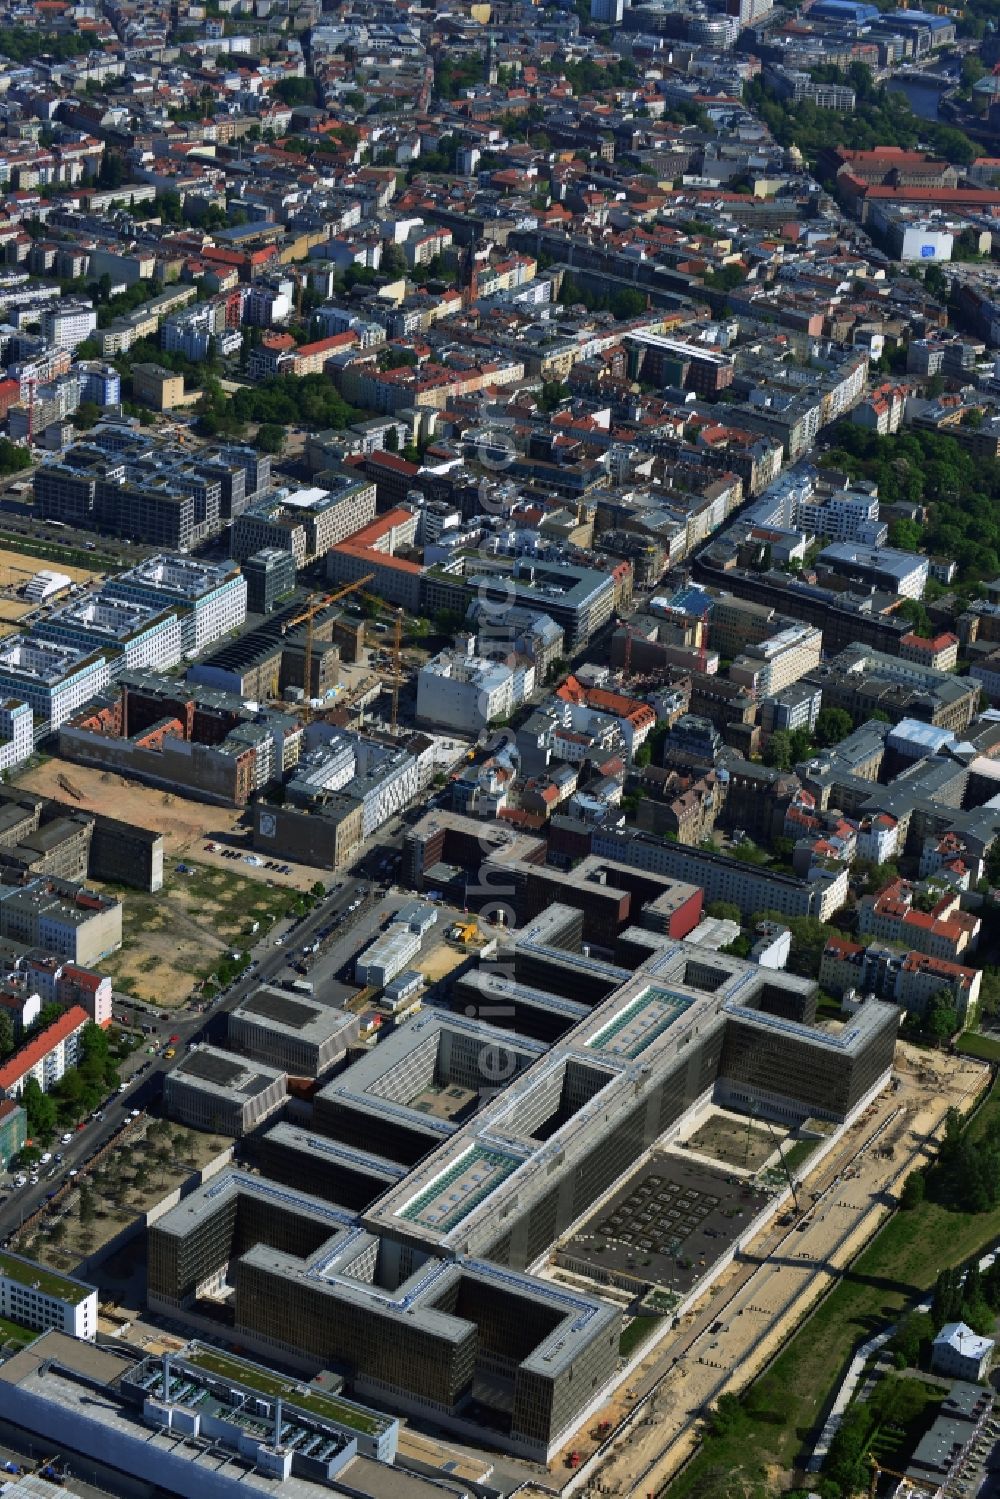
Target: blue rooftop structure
pixel 845 10
pixel 916 18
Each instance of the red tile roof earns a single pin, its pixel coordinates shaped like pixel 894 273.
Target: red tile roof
pixel 39 1046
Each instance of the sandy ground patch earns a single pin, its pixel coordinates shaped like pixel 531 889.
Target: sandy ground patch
pixel 17 567
pixel 186 825
pixel 442 960
pixel 175 937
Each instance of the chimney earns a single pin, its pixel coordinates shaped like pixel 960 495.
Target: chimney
pixel 277 1422
pixel 166 1376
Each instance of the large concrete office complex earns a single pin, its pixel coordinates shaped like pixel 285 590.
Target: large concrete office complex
pixel 291 1033
pixel 213 1089
pixel 446 1163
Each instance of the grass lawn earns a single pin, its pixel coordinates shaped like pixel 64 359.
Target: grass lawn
pixel 14 1333
pixel 785 1407
pixel 799 1152
pixel 972 1044
pixel 639 1331
pixel 269 1383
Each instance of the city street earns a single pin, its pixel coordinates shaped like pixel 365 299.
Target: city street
pixel 272 962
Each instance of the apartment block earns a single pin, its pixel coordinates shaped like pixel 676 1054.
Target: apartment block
pixel 53 679
pixel 132 636
pixel 46 1057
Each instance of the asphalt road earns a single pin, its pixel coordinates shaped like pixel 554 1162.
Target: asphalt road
pixel 147 1088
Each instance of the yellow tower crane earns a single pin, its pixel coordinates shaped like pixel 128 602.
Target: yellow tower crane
pixel 315 604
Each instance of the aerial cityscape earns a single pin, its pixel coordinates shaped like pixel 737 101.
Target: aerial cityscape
pixel 500 749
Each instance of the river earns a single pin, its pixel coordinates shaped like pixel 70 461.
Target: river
pixel 924 97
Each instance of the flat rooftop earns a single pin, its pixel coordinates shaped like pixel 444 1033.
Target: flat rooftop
pixel 225 1072
pixel 38 1278
pixel 460 1188
pixel 285 1012
pixel 267 1382
pixel 643 1019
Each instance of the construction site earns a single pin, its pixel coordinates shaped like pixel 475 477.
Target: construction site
pixel 665 1227
pixel 653 1424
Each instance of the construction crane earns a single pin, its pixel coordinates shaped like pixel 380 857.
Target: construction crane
pixel 879 1468
pixel 315 604
pixel 396 650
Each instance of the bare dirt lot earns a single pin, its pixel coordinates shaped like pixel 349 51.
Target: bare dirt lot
pixel 734 1141
pixel 186 825
pixel 176 937
pixel 17 567
pixel 441 960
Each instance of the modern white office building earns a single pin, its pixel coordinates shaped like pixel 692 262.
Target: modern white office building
pixel 37 1297
pixel 466 692
pixel 210 598
pixel 53 679
pixel 134 636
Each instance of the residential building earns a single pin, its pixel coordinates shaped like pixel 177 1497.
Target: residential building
pixel 959 1353
pixel 927 921
pixel 53 679
pixel 46 1056
pixel 132 636
pixel 461 691
pixel 209 598
pixel 69 324
pixel 939 651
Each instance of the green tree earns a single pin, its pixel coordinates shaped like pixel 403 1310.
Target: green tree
pixel 940 1020
pixel 913 1337
pixel 846 1465
pixel 833 725
pixel 13 457
pixel 393 261
pixel 914 1189
pixel 40 1109
pixel 270 438
pixel 391 443
pixel 6 1034
pixel 724 910
pixel 85 415
pixel 800 744
pixel 778 751
pixel 296 90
